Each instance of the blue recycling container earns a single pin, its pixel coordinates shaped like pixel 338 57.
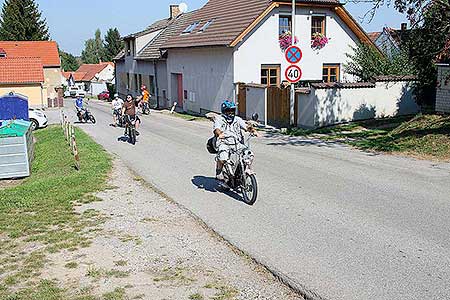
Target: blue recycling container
pixel 14 106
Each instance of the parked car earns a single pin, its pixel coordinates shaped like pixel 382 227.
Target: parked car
pixel 103 95
pixel 37 118
pixel 74 91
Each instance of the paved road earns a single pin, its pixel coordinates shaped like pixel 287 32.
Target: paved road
pixel 336 223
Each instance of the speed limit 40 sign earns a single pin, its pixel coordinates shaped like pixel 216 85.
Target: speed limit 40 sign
pixel 293 74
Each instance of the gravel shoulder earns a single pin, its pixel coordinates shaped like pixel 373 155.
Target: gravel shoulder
pixel 150 248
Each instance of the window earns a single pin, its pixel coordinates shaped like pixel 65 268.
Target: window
pixel 128 48
pixel 191 27
pixel 207 24
pixel 128 82
pixel 331 73
pixel 152 85
pixel 285 24
pixel 140 81
pixel 136 88
pixel 270 75
pixel 317 25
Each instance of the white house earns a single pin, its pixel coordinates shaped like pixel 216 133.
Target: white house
pixel 143 62
pixel 232 41
pixel 92 77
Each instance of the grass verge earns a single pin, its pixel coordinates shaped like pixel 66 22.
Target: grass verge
pixel 39 213
pixel 422 136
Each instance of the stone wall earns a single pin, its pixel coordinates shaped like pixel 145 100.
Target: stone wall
pixel 443 89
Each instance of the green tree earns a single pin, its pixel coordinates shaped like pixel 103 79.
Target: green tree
pixel 367 62
pixel 427 46
pixel 21 20
pixel 94 51
pixel 113 44
pixel 90 53
pixel 68 61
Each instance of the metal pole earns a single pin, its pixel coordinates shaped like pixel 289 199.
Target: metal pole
pixel 292 102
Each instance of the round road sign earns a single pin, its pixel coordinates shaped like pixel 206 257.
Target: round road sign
pixel 293 74
pixel 293 54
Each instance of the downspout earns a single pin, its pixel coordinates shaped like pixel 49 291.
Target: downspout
pixel 156 84
pixel 42 95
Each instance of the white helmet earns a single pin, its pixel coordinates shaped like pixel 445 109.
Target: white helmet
pixel 116 95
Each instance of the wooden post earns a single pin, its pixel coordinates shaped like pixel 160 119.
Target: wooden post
pixel 75 154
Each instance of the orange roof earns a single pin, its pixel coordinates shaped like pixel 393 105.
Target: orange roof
pixel 77 76
pixel 21 70
pixel 46 50
pixel 92 69
pixel 374 35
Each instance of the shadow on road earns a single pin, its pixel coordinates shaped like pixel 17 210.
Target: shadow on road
pixel 210 184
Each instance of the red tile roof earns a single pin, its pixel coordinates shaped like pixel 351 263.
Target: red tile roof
pixel 230 18
pixel 374 35
pixel 77 76
pixel 91 70
pixel 21 70
pixel 46 50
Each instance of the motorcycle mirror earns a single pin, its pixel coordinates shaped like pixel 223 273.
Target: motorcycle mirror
pixel 255 117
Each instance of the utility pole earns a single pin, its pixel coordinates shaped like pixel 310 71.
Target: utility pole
pixel 292 102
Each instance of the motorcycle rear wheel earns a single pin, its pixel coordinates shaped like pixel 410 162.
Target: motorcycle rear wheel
pixel 250 189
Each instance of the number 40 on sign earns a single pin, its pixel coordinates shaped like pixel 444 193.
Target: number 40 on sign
pixel 293 74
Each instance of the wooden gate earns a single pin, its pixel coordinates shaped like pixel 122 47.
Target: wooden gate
pixel 242 100
pixel 278 102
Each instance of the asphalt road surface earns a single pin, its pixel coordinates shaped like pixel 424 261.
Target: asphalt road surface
pixel 333 222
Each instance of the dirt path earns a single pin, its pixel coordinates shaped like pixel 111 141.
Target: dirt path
pixel 149 248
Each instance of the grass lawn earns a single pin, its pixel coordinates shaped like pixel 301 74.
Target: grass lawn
pixel 422 136
pixel 40 212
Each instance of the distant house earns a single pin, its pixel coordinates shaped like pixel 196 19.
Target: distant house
pixel 389 40
pixel 47 51
pixel 25 76
pixel 143 62
pixel 93 78
pixel 230 41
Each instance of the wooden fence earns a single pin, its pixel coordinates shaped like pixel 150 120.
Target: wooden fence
pixel 69 135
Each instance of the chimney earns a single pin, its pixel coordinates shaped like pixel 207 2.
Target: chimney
pixel 174 11
pixel 2 53
pixel 404 26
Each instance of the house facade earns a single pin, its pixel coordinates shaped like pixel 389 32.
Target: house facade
pixel 143 62
pixel 24 76
pixel 231 41
pixel 389 40
pixel 47 51
pixel 93 78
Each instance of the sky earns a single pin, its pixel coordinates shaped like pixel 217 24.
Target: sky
pixel 71 22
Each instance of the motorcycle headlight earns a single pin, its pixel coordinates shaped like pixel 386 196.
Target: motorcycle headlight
pixel 248 156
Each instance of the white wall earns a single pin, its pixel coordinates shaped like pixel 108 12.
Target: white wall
pixel 107 74
pixel 443 89
pixel 256 103
pixel 207 76
pixel 262 46
pixel 330 106
pixel 142 41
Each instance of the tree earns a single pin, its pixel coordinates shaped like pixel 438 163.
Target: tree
pixel 366 62
pixel 21 20
pixel 113 44
pixel 68 61
pixel 90 53
pixel 94 51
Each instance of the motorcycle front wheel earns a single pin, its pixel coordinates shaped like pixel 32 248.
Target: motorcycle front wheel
pixel 250 189
pixel 92 119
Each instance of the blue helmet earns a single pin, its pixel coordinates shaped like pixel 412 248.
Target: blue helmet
pixel 228 109
pixel 228 106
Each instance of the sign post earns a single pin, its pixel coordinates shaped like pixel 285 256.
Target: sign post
pixel 292 102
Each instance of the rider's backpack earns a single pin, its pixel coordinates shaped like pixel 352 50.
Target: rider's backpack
pixel 211 145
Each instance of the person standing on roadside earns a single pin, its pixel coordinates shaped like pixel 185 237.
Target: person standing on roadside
pixel 116 106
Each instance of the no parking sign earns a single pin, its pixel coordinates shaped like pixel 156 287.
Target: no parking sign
pixel 293 55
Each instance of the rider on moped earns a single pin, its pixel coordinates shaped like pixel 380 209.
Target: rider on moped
pixel 116 106
pixel 228 130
